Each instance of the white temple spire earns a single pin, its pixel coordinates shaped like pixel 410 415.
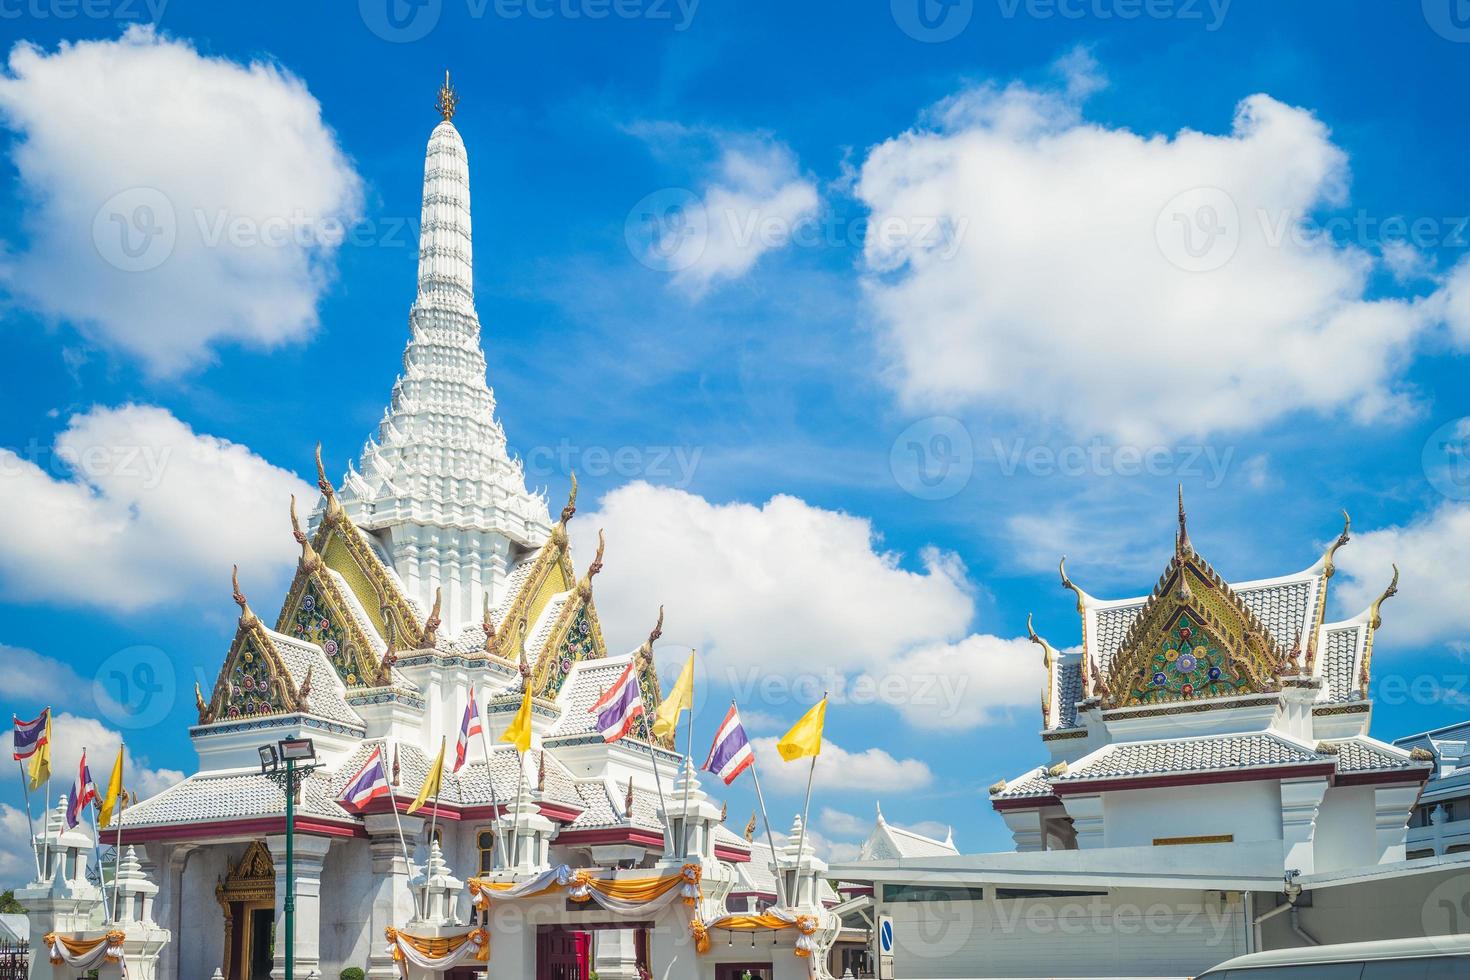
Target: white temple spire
pixel 437 487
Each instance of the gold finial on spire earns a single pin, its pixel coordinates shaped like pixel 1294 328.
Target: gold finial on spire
pixel 750 828
pixel 584 587
pixel 309 560
pixel 571 507
pixel 1181 540
pixel 325 486
pixel 246 616
pixel 1375 620
pixel 1328 567
pixel 1067 584
pixel 489 626
pixel 431 625
pixel 448 99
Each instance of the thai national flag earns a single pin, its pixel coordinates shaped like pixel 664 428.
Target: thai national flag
pixel 470 725
pixel 83 791
pixel 30 735
pixel 370 782
pixel 620 707
pixel 731 754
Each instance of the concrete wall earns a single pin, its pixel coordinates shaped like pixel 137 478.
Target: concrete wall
pixel 200 939
pixel 1434 903
pixel 1344 836
pixel 1250 811
pixel 1125 932
pixel 346 907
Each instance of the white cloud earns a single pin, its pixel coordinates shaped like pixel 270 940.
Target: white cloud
pixel 839 769
pixel 843 824
pixel 754 204
pixel 133 508
pixel 1430 552
pixel 787 600
pixel 783 586
pixel 972 682
pixel 1019 255
pixel 17 857
pixel 229 188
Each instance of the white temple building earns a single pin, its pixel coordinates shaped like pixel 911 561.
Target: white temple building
pixel 430 570
pixel 1206 786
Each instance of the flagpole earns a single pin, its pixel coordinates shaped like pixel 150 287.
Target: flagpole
pixel 96 834
pixel 689 755
pixel 807 807
pixel 25 783
pixel 434 817
pixel 46 830
pixel 658 781
pixel 515 822
pixel 484 721
pixel 122 809
pixel 770 837
pixel 398 822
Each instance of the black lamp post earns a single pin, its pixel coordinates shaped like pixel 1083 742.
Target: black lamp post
pixel 299 758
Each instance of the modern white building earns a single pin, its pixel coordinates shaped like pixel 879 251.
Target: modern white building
pixel 1441 821
pixel 1206 786
pixel 429 572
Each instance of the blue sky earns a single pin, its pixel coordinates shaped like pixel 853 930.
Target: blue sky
pixel 745 417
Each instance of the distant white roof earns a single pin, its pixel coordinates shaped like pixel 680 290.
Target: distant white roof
pixel 889 842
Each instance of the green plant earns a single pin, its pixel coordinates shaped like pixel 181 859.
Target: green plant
pixel 351 973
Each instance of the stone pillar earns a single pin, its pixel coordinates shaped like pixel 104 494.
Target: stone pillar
pixel 310 855
pixel 802 869
pixel 1087 819
pixel 1391 808
pixel 438 892
pixel 614 956
pixel 392 899
pixel 1300 799
pixel 169 905
pixel 530 832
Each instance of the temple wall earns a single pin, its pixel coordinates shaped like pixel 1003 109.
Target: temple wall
pixel 1119 932
pixel 1250 811
pixel 1344 835
pixel 200 939
pixel 346 907
pixel 1428 904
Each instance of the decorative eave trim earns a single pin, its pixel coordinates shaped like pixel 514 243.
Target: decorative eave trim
pixel 626 834
pixel 244 827
pixel 1191 706
pixel 1344 708
pixel 252 723
pixel 1026 802
pixel 1062 734
pixel 1078 787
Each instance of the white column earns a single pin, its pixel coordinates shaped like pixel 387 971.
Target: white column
pixel 1300 799
pixel 1025 828
pixel 1391 808
pixel 1087 819
pixel 310 853
pixel 392 900
pixel 615 954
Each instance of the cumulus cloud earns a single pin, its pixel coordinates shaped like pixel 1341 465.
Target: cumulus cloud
pixel 753 204
pixel 1430 551
pixel 785 600
pixel 172 200
pixel 131 508
pixel 841 769
pixel 842 823
pixel 769 586
pixel 1134 286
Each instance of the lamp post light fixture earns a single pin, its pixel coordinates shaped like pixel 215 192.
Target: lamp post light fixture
pixel 287 764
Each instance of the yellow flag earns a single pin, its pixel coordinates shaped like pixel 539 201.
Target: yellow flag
pixel 805 737
pixel 431 781
pixel 40 770
pixel 681 698
pixel 519 732
pixel 114 792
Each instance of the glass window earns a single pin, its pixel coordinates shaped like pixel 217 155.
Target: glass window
pixel 485 843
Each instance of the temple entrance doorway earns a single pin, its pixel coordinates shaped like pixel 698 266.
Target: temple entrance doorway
pixel 247 901
pixel 562 954
pixel 743 971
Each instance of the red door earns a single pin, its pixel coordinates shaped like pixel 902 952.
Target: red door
pixel 561 954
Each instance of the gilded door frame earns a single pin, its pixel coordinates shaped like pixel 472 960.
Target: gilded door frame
pixel 251 882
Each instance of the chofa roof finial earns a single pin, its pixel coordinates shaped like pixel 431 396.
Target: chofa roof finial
pixel 488 625
pixel 1328 566
pixel 325 485
pixel 246 616
pixel 584 587
pixel 1374 619
pixel 309 560
pixel 1181 540
pixel 448 99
